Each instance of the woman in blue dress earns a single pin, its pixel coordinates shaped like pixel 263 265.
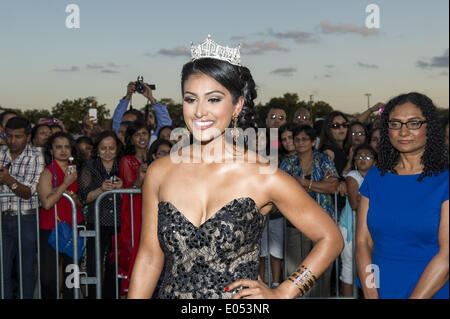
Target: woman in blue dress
pixel 402 227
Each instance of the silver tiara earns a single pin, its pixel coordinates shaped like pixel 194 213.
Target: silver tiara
pixel 210 49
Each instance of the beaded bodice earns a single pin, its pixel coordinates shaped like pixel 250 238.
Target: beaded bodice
pixel 202 261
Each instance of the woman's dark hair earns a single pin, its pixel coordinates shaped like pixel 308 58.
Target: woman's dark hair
pixel 287 127
pixel 367 147
pixel 85 139
pixel 373 131
pixel 154 148
pixel 35 129
pixel 366 131
pixel 73 145
pixel 326 137
pixel 132 128
pixel 444 122
pixel 162 128
pixel 308 131
pixel 318 124
pixel 104 134
pixel 435 156
pixel 236 79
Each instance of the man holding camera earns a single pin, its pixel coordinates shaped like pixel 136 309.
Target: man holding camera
pixel 20 168
pixel 162 115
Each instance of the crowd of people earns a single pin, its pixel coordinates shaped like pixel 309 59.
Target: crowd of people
pixel 407 142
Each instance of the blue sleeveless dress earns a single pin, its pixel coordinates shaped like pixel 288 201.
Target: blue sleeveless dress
pixel 403 220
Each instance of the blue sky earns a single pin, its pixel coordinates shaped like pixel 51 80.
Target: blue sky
pixel 306 47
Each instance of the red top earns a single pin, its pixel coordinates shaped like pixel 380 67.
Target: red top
pixel 128 173
pixel 47 217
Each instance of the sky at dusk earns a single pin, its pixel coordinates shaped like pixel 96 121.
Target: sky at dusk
pixel 321 48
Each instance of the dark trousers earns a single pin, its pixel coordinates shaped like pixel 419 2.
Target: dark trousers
pixel 48 269
pixel 108 268
pixel 11 244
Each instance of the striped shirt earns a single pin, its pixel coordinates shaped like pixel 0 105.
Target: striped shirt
pixel 26 169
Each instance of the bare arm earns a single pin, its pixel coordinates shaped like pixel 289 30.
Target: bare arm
pixel 352 192
pixel 364 247
pixel 22 190
pixel 150 258
pixel 436 273
pixel 365 115
pixel 48 195
pixel 325 186
pixel 307 216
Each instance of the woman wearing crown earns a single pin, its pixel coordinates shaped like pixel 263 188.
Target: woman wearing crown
pixel 204 207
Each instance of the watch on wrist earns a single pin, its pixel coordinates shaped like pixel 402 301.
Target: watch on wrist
pixel 13 186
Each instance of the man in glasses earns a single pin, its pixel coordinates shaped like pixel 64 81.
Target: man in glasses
pixel 302 117
pixel 276 116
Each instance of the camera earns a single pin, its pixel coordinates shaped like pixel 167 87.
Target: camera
pixel 113 179
pixel 140 88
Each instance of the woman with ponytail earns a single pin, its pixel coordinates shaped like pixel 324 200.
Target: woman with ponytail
pixel 205 205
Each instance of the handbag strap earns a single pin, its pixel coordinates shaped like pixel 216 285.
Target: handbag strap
pixel 54 185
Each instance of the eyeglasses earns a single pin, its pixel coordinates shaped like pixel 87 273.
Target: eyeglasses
pixel 366 157
pixel 410 125
pixel 302 117
pixel 337 126
pixel 358 134
pixel 280 117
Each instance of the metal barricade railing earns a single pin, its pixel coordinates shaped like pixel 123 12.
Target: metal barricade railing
pixel 38 248
pixel 336 262
pixel 19 238
pixel 98 265
pixel 96 233
pixel 98 269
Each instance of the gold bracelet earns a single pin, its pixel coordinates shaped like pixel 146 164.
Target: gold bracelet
pixel 303 278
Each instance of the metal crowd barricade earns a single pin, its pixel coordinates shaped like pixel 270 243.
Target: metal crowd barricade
pixel 98 264
pixel 336 262
pixel 38 249
pixel 19 235
pixel 97 279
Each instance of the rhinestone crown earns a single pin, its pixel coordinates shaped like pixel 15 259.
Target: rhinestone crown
pixel 210 49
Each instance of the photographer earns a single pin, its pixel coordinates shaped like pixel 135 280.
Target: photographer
pixel 162 115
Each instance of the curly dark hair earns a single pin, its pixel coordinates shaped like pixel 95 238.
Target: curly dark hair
pixel 435 156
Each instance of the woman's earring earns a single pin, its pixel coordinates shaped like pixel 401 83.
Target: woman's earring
pixel 235 130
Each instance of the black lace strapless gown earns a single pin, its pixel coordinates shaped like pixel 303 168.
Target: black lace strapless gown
pixel 202 261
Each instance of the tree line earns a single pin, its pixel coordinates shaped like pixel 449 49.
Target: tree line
pixel 71 112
